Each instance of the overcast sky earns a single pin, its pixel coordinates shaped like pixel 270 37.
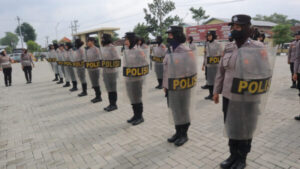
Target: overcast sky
pixel 46 15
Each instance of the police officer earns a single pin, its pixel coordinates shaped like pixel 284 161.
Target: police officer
pixel 261 37
pixel 60 60
pixel 63 54
pixel 211 59
pixel 192 45
pixel 240 132
pixel 110 71
pixel 92 57
pixel 134 61
pixel 179 65
pixel 78 63
pixel 27 64
pixel 296 76
pixel 5 65
pixel 159 53
pixel 69 67
pixel 292 57
pixel 52 57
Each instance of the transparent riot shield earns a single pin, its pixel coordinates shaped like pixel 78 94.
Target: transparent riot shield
pixel 213 57
pixel 182 79
pixel 110 64
pixel 249 92
pixel 135 70
pixel 159 53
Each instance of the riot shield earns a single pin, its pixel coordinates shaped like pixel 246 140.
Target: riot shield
pixel 78 64
pixel 135 69
pixel 249 91
pixel 92 64
pixel 213 57
pixel 110 64
pixel 158 57
pixel 182 79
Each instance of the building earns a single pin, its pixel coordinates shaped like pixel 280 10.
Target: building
pixel 64 40
pixel 220 25
pixel 98 32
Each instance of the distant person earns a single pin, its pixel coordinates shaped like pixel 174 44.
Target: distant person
pixel 292 57
pixel 5 63
pixel 296 75
pixel 27 64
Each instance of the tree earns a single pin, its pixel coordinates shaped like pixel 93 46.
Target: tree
pixel 198 14
pixel 54 41
pixel 115 36
pixel 277 18
pixel 157 18
pixel 27 31
pixel 282 34
pixel 10 39
pixel 32 46
pixel 142 31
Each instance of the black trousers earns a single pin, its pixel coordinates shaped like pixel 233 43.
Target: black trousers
pixel 241 147
pixel 292 71
pixel 27 70
pixel 7 75
pixel 298 76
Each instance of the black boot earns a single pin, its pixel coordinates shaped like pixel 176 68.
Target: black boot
pixel 74 86
pixel 139 115
pixel 240 162
pixel 297 117
pixel 112 96
pixel 244 147
pixel 56 78
pixel 233 155
pixel 204 87
pixel 175 136
pixel 210 96
pixel 67 84
pixel 61 81
pixel 98 95
pixel 294 86
pixel 159 86
pixel 84 88
pixel 183 138
pixel 134 117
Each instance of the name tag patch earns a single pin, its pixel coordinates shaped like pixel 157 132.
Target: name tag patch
pixel 135 71
pixel 254 87
pixel 213 60
pixel 182 83
pixel 110 63
pixel 157 59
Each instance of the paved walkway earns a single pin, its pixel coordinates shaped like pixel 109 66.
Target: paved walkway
pixel 44 126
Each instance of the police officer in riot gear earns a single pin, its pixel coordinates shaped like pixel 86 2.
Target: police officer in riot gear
pixel 179 65
pixel 240 132
pixel 292 57
pixel 78 63
pixel 60 62
pixel 134 61
pixel 52 59
pixel 110 61
pixel 212 56
pixel 159 53
pixel 69 66
pixel 92 57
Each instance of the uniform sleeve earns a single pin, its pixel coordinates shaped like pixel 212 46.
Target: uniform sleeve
pixel 297 61
pixel 98 54
pixel 165 72
pixel 290 52
pixel 218 86
pixel 114 53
